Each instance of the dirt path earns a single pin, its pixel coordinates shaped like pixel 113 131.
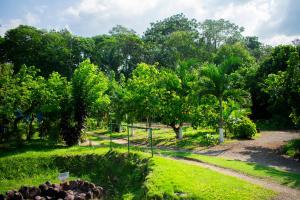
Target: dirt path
pixel 284 192
pixel 264 150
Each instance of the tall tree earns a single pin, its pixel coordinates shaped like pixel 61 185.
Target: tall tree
pixel 215 81
pixel 218 32
pixel 88 89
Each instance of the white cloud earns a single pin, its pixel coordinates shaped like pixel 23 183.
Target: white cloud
pixel 13 23
pixel 255 15
pixel 262 18
pixel 280 39
pixel 31 19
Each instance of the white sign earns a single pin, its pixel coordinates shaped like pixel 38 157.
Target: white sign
pixel 63 176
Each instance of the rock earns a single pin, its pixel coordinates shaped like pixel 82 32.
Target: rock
pixel 18 196
pixel 65 186
pixel 34 191
pixel 38 197
pixel 24 191
pixel 61 194
pixel 74 190
pixel 89 195
pixel 69 197
pixel 50 192
pixel 48 183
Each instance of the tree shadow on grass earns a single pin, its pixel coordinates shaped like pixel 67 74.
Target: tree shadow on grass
pixel 37 145
pixel 270 157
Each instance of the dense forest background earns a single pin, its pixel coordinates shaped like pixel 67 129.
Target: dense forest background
pixel 58 83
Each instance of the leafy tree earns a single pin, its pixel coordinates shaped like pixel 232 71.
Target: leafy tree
pixel 218 32
pixel 142 93
pixel 266 107
pixel 175 95
pixel 22 94
pixel 22 45
pixel 88 90
pixel 121 30
pixel 119 53
pixel 171 40
pixel 215 81
pixel 283 87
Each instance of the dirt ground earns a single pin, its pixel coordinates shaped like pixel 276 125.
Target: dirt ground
pixel 266 150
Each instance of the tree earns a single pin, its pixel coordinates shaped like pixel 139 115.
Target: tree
pixel 283 87
pixel 22 45
pixel 172 39
pixel 88 91
pixel 215 81
pixel 175 95
pixel 141 92
pixel 121 30
pixel 22 94
pixel 119 53
pixel 265 106
pixel 218 32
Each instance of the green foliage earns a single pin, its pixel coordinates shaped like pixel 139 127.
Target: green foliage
pixel 283 86
pixel 141 92
pixel 243 128
pixel 292 148
pixel 218 32
pixel 119 174
pixel 88 91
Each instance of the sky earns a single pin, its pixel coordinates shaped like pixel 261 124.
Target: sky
pixel 273 21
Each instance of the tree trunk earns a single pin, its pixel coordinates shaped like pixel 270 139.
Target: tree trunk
pixel 30 129
pixel 16 130
pixel 177 130
pixel 132 129
pixel 221 134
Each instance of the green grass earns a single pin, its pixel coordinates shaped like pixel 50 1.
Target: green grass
pixel 193 139
pixel 133 176
pixel 172 179
pixel 292 148
pixel 277 175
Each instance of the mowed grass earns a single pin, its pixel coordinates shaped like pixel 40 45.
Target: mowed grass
pixel 130 178
pixel 173 179
pixel 270 173
pixel 193 139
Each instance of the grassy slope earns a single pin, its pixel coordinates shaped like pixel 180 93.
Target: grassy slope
pixel 173 179
pixel 261 171
pixel 167 179
pixel 277 175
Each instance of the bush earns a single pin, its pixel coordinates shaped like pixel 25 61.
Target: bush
pixel 292 148
pixel 243 128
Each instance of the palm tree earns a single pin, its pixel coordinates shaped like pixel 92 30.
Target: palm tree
pixel 215 81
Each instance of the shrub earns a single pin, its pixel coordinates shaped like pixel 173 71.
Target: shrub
pixel 292 148
pixel 243 128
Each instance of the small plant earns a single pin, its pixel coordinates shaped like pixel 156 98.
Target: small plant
pixel 243 128
pixel 292 148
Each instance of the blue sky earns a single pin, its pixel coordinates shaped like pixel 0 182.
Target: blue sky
pixel 273 21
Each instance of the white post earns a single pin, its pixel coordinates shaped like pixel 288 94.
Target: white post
pixel 180 133
pixel 221 137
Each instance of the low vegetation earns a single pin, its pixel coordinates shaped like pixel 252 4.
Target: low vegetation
pixel 292 148
pixel 125 176
pixel 270 173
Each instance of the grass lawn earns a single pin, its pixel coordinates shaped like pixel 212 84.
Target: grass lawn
pixel 134 176
pixel 193 139
pixel 283 177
